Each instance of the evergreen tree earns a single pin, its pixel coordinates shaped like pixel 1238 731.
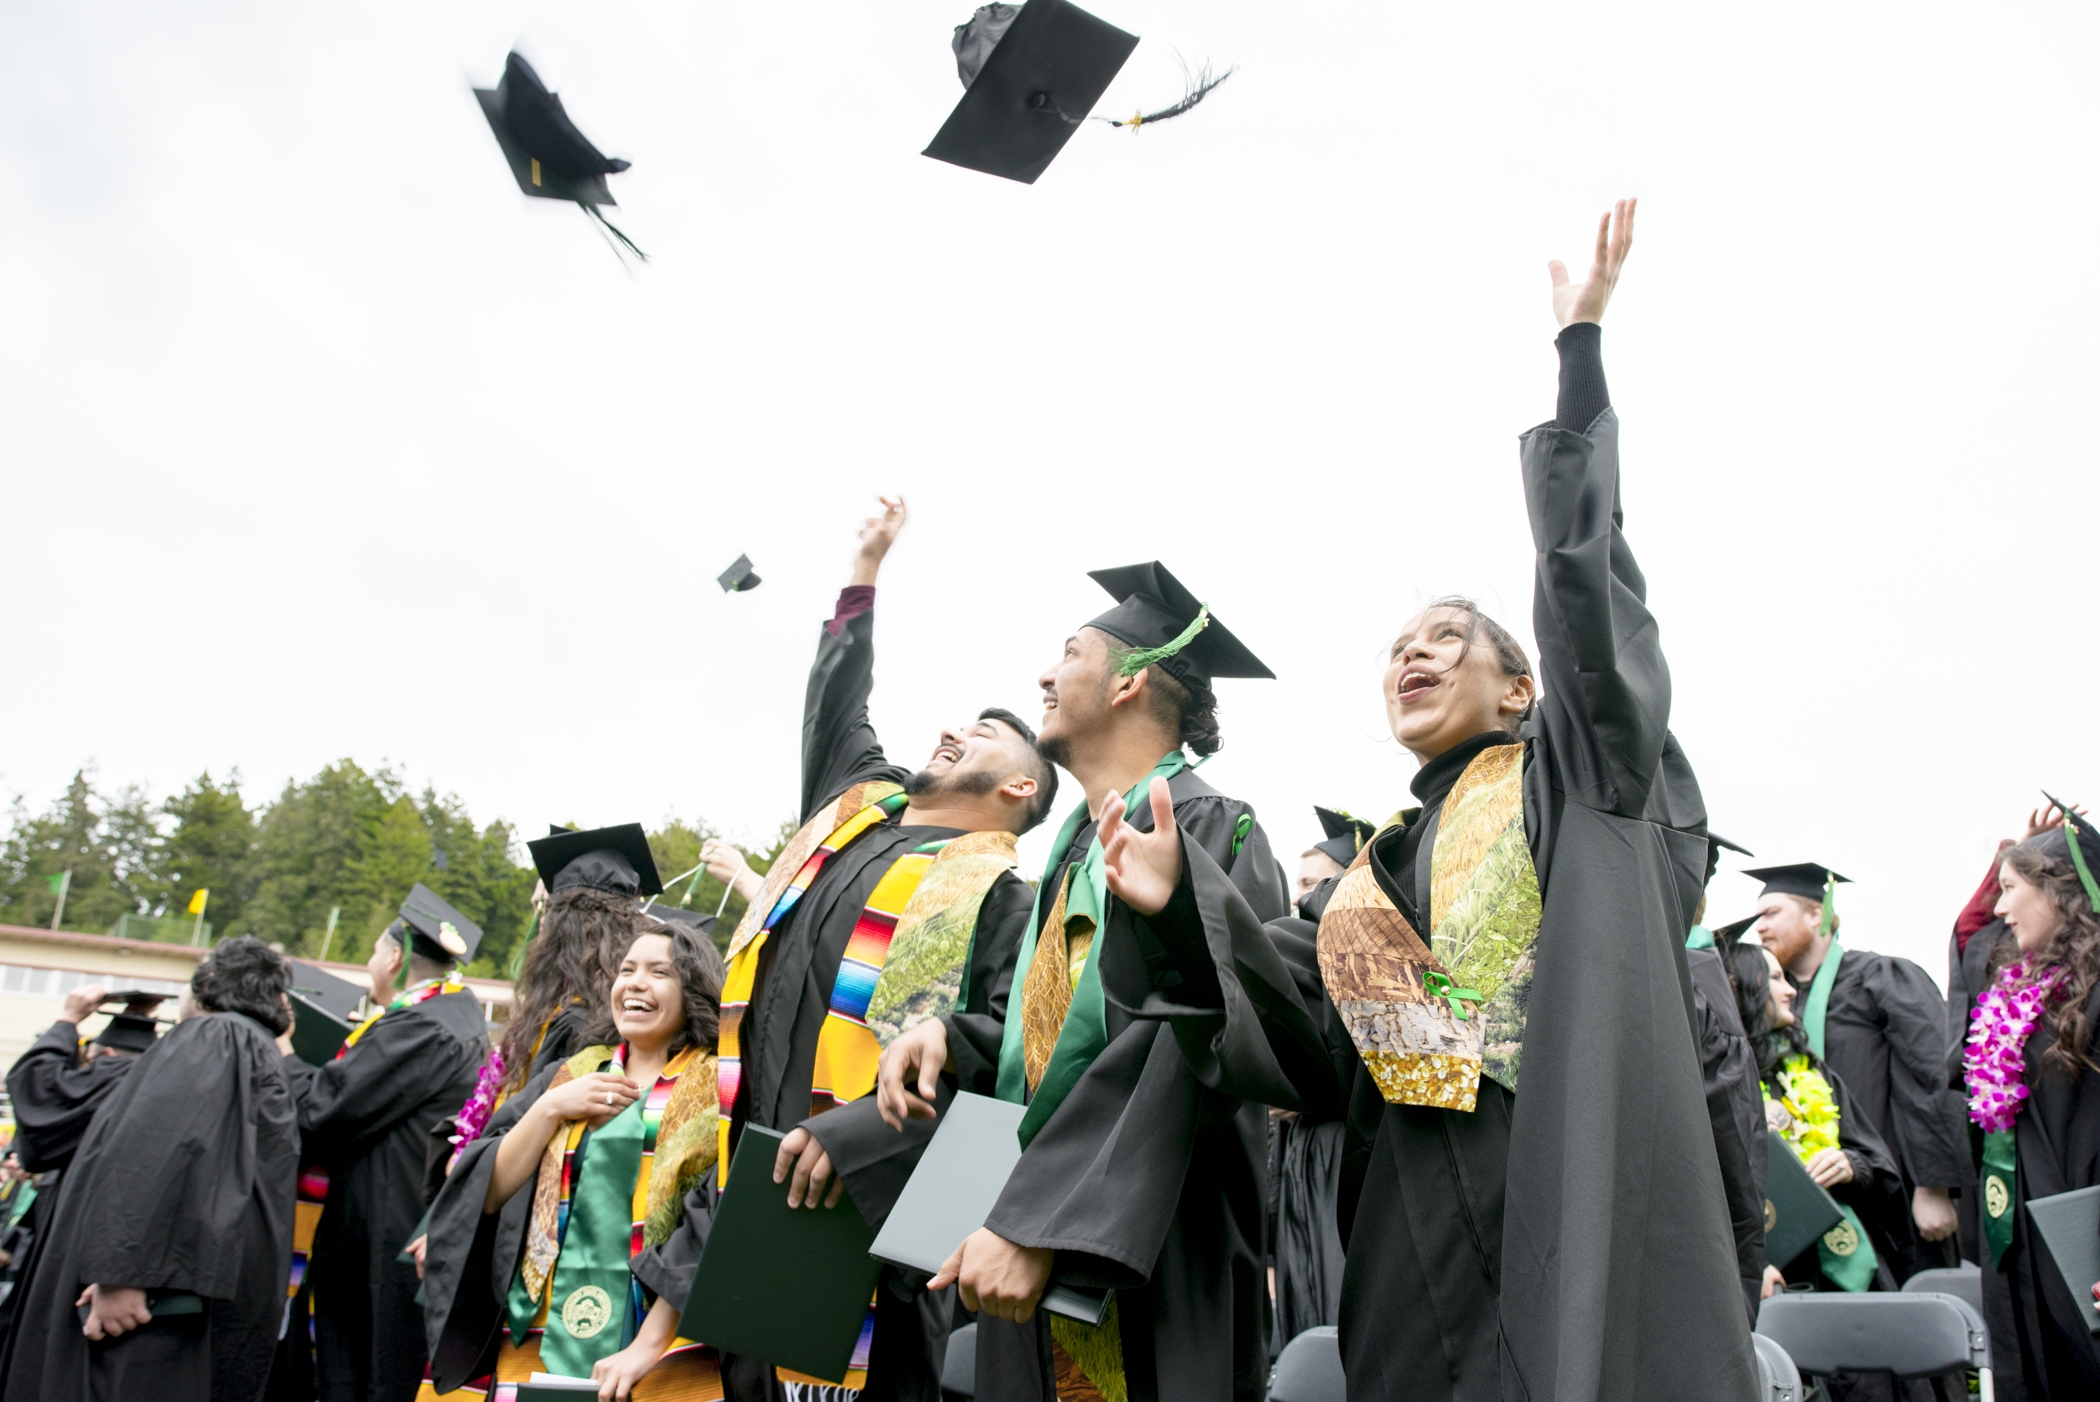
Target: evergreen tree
pixel 109 846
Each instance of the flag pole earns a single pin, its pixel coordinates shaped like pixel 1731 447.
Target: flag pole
pixel 197 904
pixel 329 938
pixel 65 884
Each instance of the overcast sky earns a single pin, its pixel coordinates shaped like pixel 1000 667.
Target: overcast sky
pixel 296 383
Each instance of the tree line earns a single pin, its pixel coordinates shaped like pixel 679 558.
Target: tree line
pixel 349 842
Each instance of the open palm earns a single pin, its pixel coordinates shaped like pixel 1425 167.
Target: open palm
pixel 1585 300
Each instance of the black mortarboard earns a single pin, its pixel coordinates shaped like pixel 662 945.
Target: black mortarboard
pixel 609 859
pixel 132 1029
pixel 1346 835
pixel 549 156
pixel 1047 66
pixel 1727 935
pixel 1157 617
pixel 2083 844
pixel 437 930
pixel 1804 879
pixel 322 1007
pixel 679 915
pixel 1714 843
pixel 738 578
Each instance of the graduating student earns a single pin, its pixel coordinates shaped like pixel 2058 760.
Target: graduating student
pixel 367 1118
pixel 1566 1237
pixel 1882 1025
pixel 1804 1102
pixel 56 1087
pixel 896 902
pixel 565 1239
pixel 1137 1175
pixel 1330 856
pixel 165 1276
pixel 2032 1069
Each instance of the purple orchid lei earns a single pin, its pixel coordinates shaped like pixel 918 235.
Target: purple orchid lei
pixel 1995 1061
pixel 474 1115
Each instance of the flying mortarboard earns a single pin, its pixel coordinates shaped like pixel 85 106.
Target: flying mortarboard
pixel 437 930
pixel 1811 881
pixel 1163 623
pixel 551 159
pixel 132 1028
pixel 1714 843
pixel 1346 834
pixel 612 859
pixel 2084 843
pixel 738 578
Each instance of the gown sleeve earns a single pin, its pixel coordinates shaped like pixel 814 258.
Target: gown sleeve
pixel 350 1103
pixel 839 748
pixel 666 1269
pixel 1927 1128
pixel 54 1097
pixel 1730 1074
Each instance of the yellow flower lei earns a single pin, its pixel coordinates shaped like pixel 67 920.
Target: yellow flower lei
pixel 1812 1110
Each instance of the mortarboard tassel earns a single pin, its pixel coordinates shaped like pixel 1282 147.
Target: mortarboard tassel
pixel 599 215
pixel 1199 86
pixel 1133 663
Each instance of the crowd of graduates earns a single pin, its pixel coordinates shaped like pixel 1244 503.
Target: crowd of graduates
pixel 1248 1107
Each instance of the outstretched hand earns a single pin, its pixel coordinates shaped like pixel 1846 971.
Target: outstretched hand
pixel 1143 868
pixel 1584 301
pixel 877 535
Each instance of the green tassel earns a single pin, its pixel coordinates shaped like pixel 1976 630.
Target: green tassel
pixel 1830 888
pixel 1132 663
pixel 2085 872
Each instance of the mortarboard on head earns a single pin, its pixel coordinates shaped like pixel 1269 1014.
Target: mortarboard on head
pixel 679 915
pixel 1811 881
pixel 1032 75
pixel 613 859
pixel 1162 623
pixel 1346 834
pixel 1714 843
pixel 738 578
pixel 2083 843
pixel 549 156
pixel 1725 936
pixel 435 928
pixel 132 1028
pixel 315 985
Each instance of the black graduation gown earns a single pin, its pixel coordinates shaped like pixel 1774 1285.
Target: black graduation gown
pixel 1572 1241
pixel 1885 1033
pixel 184 1183
pixel 1735 1109
pixel 2058 1138
pixel 472 1259
pixel 791 997
pixel 54 1099
pixel 1148 1180
pixel 1305 1241
pixel 368 1117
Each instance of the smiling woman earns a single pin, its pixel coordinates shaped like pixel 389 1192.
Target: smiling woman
pixel 595 1181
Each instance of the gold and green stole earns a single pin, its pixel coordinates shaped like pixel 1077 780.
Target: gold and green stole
pixel 573 1280
pixel 1429 1019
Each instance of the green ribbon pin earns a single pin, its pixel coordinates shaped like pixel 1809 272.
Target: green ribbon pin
pixel 1439 986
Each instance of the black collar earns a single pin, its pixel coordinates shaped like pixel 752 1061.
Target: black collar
pixel 1434 779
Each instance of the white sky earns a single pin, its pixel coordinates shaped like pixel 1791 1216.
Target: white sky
pixel 289 360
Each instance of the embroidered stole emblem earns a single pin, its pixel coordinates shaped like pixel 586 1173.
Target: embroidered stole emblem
pixel 1428 1018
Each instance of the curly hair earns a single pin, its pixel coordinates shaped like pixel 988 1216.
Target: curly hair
pixel 700 975
pixel 243 975
pixel 582 938
pixel 2045 862
pixel 1190 708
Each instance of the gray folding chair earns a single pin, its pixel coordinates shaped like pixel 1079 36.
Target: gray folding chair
pixel 1909 1335
pixel 1310 1368
pixel 1776 1372
pixel 959 1368
pixel 1964 1282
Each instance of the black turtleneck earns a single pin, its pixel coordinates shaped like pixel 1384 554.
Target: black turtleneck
pixel 1395 850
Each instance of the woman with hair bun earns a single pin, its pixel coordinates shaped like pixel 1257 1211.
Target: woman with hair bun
pixel 2032 1071
pixel 566 1237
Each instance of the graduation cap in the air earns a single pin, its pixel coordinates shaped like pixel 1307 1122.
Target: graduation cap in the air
pixel 322 1008
pixel 1714 843
pixel 1033 73
pixel 613 859
pixel 435 928
pixel 132 1028
pixel 1811 881
pixel 1346 834
pixel 551 159
pixel 738 578
pixel 1161 622
pixel 679 915
pixel 2084 842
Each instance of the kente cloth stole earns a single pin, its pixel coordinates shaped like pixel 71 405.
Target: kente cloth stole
pixel 421 993
pixel 1063 1025
pixel 573 1281
pixel 1430 1019
pixel 1805 1114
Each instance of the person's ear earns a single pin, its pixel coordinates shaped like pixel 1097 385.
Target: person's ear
pixel 1123 689
pixel 1518 695
pixel 1020 788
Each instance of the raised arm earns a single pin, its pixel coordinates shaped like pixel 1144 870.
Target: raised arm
pixel 1605 703
pixel 839 747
